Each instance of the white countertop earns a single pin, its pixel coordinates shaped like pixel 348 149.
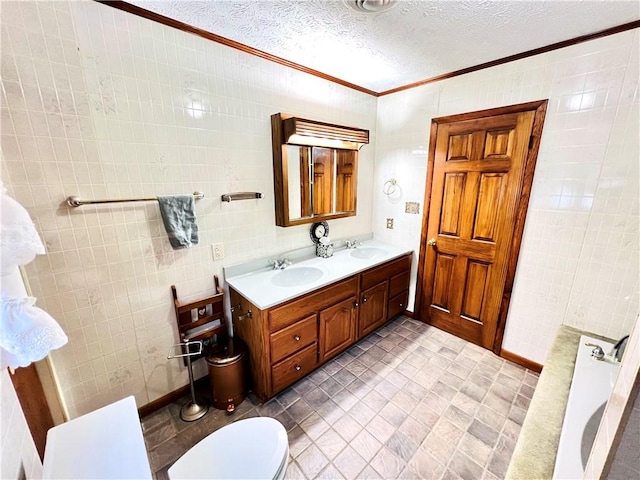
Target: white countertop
pixel 258 288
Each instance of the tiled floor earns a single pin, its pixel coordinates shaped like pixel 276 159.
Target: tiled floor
pixel 408 401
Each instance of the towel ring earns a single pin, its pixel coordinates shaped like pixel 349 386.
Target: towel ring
pixel 390 187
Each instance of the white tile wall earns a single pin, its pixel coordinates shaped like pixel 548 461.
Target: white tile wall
pixel 19 457
pixel 579 258
pixel 100 103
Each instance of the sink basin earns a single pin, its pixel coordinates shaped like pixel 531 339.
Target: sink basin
pixel 292 277
pixel 367 253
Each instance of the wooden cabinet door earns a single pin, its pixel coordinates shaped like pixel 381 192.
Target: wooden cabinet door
pixel 337 328
pixel 373 308
pixel 479 166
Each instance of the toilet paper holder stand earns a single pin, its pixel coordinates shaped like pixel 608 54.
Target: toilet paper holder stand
pixel 196 408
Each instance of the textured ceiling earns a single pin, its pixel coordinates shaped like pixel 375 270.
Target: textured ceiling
pixel 413 41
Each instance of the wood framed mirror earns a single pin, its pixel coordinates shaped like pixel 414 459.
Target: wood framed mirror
pixel 315 169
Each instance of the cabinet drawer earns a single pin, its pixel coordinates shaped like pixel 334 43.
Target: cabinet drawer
pixel 398 283
pixel 295 310
pixel 384 272
pixel 294 367
pixel 293 338
pixel 397 304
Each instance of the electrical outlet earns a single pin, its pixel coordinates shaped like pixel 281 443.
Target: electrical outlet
pixel 218 251
pixel 390 223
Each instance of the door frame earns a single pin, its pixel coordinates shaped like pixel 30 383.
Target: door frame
pixel 540 108
pixel 30 392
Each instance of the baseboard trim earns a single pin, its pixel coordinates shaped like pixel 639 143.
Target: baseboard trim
pixel 523 362
pixel 170 397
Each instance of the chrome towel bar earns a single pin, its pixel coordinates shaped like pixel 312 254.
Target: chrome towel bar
pixel 230 197
pixel 75 201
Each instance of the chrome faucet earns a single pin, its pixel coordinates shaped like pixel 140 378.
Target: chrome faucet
pixel 597 352
pixel 280 264
pixel 353 244
pixel 618 349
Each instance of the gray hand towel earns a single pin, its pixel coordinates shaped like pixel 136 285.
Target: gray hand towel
pixel 179 217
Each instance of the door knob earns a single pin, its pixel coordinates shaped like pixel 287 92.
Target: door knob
pixel 432 242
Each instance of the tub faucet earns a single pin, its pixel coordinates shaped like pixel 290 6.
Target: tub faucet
pixel 280 264
pixel 597 351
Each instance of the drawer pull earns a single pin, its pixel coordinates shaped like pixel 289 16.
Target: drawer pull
pixel 249 314
pixel 296 338
pixel 298 368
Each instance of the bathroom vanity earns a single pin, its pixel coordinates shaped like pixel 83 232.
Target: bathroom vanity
pixel 291 329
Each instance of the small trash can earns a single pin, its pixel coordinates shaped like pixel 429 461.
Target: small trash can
pixel 227 374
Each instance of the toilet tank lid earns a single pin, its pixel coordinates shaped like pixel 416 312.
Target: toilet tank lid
pixel 104 444
pixel 254 448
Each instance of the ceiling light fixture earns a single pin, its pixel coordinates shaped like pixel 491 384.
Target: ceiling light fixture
pixel 371 6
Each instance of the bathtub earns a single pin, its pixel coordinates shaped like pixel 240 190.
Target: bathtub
pixel 590 389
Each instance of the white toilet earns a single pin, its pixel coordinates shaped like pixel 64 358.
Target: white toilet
pixel 252 448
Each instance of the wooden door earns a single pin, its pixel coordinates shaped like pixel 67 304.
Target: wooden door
pixel 337 328
pixel 373 308
pixel 479 167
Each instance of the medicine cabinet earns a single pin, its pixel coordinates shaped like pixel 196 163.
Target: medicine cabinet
pixel 315 169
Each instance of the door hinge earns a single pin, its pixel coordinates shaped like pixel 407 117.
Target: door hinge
pixel 531 139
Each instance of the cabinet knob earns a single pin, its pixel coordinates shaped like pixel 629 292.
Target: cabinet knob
pixel 296 338
pixel 298 368
pixel 356 304
pixel 364 299
pixel 401 305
